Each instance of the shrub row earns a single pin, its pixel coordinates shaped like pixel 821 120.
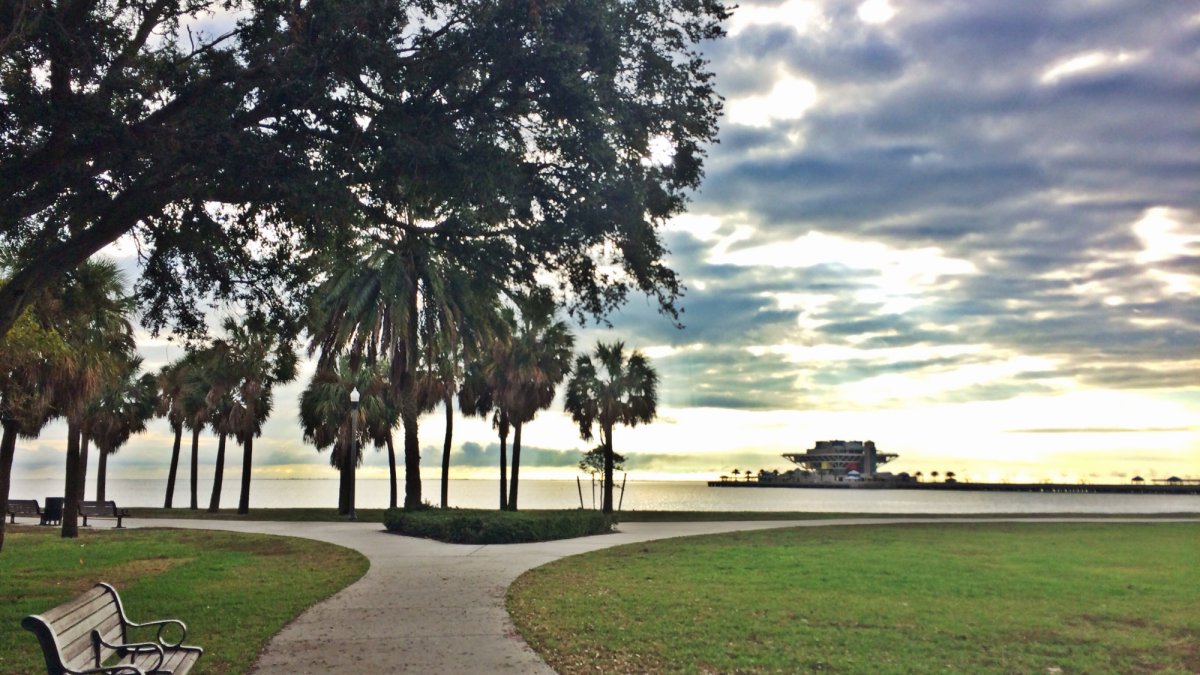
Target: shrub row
pixel 470 526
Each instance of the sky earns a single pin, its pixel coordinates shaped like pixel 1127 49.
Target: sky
pixel 967 231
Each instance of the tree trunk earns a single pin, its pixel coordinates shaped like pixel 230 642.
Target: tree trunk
pixel 174 467
pixel 409 412
pixel 449 401
pixel 608 471
pixel 394 499
pixel 84 443
pixel 215 502
pixel 247 456
pixel 412 457
pixel 8 448
pixel 101 473
pixel 70 521
pixel 503 461
pixel 516 466
pixel 195 468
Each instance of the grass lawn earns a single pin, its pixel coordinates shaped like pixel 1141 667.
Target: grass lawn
pixel 234 591
pixel 1027 597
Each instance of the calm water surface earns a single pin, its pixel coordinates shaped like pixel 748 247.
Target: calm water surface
pixel 639 495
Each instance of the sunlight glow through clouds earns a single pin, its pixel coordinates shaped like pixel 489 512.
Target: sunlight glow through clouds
pixel 789 99
pixel 899 276
pixel 1087 62
pixel 876 11
pixel 801 15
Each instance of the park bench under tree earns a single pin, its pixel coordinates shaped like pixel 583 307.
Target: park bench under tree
pixel 90 635
pixel 22 507
pixel 102 510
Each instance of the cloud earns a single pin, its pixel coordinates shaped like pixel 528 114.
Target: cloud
pixel 1020 177
pixel 475 455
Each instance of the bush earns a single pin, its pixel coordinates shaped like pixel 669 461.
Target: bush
pixel 470 526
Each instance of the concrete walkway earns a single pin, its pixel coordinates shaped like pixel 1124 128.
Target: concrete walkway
pixel 424 606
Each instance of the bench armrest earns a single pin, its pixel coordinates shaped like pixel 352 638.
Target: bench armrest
pixel 131 648
pixel 163 623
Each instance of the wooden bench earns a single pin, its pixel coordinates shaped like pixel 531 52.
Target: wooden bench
pixel 90 635
pixel 102 510
pixel 23 507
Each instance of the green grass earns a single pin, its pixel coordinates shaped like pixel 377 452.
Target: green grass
pixel 999 598
pixel 234 591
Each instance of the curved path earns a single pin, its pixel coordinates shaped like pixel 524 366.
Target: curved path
pixel 425 606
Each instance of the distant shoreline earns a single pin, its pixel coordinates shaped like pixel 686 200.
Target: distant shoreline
pixel 1063 488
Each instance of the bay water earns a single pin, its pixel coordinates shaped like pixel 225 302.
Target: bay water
pixel 638 495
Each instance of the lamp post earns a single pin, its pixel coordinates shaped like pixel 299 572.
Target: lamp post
pixel 354 396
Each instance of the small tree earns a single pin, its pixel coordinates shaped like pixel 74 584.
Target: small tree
pixel 626 393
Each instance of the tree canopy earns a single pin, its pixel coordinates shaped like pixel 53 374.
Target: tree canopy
pixel 238 140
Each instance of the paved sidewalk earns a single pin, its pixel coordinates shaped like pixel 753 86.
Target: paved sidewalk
pixel 424 606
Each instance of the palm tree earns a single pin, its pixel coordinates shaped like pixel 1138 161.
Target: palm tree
pixel 438 386
pixel 326 417
pixel 172 381
pixel 93 317
pixel 196 411
pixel 221 377
pixel 257 360
pixel 120 411
pixel 524 372
pixel 29 354
pixel 627 393
pixel 476 398
pixel 400 296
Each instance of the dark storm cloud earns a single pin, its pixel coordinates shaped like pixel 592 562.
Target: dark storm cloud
pixel 956 126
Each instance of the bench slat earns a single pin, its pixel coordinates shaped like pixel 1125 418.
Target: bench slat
pixel 77 644
pixel 53 615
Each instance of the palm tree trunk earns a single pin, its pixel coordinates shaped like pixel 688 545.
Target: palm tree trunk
pixel 409 411
pixel 70 521
pixel 8 448
pixel 412 457
pixel 215 502
pixel 393 500
pixel 101 473
pixel 608 470
pixel 516 466
pixel 195 468
pixel 84 443
pixel 449 401
pixel 503 461
pixel 247 455
pixel 174 467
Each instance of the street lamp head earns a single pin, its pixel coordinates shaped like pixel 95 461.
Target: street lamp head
pixel 354 396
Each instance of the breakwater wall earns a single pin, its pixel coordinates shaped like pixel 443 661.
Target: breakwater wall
pixel 1064 488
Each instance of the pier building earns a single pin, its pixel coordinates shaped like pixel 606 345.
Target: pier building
pixel 841 460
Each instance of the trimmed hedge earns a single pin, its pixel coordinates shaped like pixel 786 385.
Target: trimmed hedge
pixel 473 526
